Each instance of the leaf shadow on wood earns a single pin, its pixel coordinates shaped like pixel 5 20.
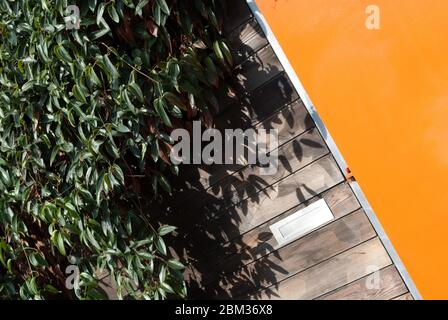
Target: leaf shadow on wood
pixel 215 205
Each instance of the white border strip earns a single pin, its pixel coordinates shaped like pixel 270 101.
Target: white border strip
pixel 333 148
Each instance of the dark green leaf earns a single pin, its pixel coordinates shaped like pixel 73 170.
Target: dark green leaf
pixel 163 6
pixel 176 265
pixel 160 245
pixel 100 12
pixel 37 260
pixel 113 14
pixel 226 52
pixel 159 106
pixel 110 67
pixel 58 241
pixel 79 93
pixel 163 230
pixel 164 183
pixel 218 52
pixel 136 91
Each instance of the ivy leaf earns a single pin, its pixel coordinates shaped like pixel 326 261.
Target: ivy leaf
pixel 63 54
pixel 155 151
pixel 58 241
pixel 146 255
pixel 5 176
pixel 165 137
pixel 110 67
pixel 100 12
pixel 79 93
pixel 166 287
pixel 160 245
pixel 128 101
pixel 212 17
pixel 92 239
pixel 76 120
pixel 118 173
pixel 43 51
pixel 163 5
pixel 174 264
pixel 92 76
pixel 95 145
pixel 136 91
pixel 28 85
pixel 37 260
pixel 70 207
pixel 226 52
pixel 162 274
pixel 122 128
pixel 113 14
pixel 218 52
pixel 173 69
pixel 156 13
pixel 51 289
pixel 175 169
pixel 100 33
pixel 159 106
pixel 163 230
pixel 164 183
pixel 92 5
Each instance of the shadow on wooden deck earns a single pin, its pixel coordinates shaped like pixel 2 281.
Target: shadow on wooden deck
pixel 224 211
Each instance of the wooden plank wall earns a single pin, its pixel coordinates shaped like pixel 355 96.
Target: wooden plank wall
pixel 224 211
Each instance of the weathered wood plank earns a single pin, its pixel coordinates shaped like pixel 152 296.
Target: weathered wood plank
pixel 215 228
pixel 292 121
pixel 289 122
pixel 258 69
pixel 389 286
pixel 292 156
pixel 223 226
pixel 299 255
pixel 245 40
pixel 259 241
pixel 259 104
pixel 331 274
pixel 299 187
pixel 406 296
pixel 269 98
pixel 237 13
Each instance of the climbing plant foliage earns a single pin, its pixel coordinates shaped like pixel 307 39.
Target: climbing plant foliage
pixel 86 109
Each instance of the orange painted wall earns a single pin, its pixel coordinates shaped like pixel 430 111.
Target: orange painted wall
pixel 383 95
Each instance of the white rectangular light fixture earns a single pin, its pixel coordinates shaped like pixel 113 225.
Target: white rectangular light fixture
pixel 301 222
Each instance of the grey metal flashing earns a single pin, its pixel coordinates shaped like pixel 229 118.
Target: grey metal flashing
pixel 333 148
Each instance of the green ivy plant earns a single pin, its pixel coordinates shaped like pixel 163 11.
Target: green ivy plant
pixel 85 117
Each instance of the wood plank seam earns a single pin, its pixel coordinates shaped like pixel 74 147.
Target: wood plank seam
pixel 214 183
pixel 279 248
pixel 404 296
pixel 283 108
pixel 229 201
pixel 388 253
pixel 239 204
pixel 217 215
pixel 340 193
pixel 364 277
pixel 321 262
pixel 295 208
